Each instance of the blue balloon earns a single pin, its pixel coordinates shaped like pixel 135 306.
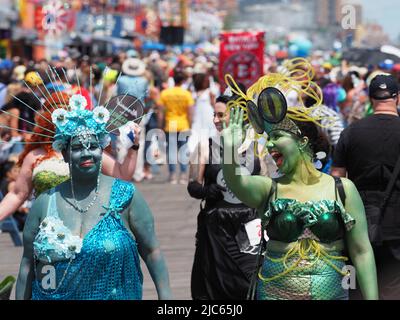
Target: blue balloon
pixel 304 47
pixel 303 52
pixel 300 48
pixel 293 50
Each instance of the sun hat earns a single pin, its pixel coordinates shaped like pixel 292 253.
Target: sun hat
pixel 133 67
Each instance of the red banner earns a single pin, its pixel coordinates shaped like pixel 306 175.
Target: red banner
pixel 39 16
pixel 242 56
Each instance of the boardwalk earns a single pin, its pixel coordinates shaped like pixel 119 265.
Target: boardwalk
pixel 175 218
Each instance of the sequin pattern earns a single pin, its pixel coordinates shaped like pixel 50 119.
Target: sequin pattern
pixel 108 265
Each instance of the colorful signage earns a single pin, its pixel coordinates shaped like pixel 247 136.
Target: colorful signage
pixel 242 56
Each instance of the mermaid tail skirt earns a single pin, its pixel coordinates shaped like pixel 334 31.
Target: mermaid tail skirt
pixel 313 279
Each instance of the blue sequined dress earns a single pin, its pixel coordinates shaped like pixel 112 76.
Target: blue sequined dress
pixel 104 266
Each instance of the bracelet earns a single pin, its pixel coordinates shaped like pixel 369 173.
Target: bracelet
pixel 135 147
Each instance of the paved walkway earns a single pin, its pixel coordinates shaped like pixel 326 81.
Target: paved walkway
pixel 175 219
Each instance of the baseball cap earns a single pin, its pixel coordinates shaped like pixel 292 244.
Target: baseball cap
pixel 383 87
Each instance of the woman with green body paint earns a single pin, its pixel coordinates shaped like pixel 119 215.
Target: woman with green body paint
pixel 308 226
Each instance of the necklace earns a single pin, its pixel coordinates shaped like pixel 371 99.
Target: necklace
pixel 76 205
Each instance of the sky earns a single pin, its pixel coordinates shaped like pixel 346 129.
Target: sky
pixel 386 13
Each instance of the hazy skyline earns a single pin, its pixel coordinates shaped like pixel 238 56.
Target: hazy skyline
pixel 384 12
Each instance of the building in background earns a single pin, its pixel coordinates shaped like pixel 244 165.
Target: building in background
pixel 328 12
pixel 8 19
pixel 42 28
pixel 46 27
pixel 372 35
pixel 206 17
pixel 318 20
pixel 280 18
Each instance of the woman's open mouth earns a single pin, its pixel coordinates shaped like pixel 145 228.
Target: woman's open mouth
pixel 87 163
pixel 278 158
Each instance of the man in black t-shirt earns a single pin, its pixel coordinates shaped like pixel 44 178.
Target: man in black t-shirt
pixel 367 153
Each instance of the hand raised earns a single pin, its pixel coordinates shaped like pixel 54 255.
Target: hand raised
pixel 232 134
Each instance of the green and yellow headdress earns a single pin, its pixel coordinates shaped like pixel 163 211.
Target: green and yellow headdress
pixel 265 104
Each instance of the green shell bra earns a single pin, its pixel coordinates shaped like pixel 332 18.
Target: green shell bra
pixel 289 220
pixel 48 174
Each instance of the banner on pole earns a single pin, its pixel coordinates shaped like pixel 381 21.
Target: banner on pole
pixel 242 56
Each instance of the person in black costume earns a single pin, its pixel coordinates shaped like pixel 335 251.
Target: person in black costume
pixel 228 232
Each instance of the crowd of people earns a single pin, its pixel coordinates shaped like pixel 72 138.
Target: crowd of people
pixel 184 101
pixel 152 78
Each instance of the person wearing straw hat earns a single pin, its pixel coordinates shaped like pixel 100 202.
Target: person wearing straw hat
pixel 133 80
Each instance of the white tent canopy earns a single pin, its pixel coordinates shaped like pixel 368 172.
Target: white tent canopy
pixel 391 50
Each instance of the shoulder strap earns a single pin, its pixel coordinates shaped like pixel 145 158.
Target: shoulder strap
pixel 274 189
pixel 340 189
pixel 121 195
pixel 52 207
pixel 264 207
pixel 209 151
